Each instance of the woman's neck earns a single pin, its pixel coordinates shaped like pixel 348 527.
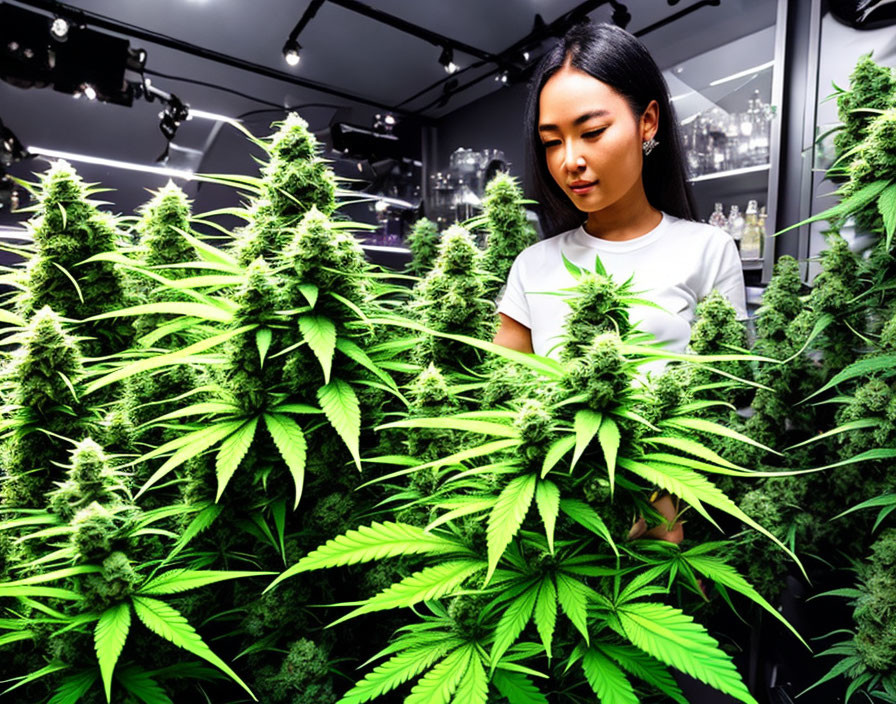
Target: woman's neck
pixel 624 220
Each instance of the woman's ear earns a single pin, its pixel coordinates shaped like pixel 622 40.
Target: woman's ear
pixel 650 121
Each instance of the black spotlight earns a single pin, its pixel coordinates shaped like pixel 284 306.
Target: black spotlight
pixel 621 15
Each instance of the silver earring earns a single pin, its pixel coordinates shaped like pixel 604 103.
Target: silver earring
pixel 648 145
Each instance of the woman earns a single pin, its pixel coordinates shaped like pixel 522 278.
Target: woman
pixel 603 148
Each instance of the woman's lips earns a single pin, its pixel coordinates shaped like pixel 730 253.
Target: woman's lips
pixel 581 188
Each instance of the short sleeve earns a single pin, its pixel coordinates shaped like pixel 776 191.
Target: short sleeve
pixel 729 279
pixel 513 301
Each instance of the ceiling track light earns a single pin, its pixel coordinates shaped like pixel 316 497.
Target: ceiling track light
pixel 502 77
pixel 621 15
pixel 447 60
pixel 292 52
pixel 59 28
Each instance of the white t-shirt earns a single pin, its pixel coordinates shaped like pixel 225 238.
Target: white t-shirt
pixel 675 265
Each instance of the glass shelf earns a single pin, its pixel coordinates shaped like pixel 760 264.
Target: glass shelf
pixel 732 173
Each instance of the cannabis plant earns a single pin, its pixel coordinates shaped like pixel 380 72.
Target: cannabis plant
pixel 526 568
pixel 78 599
pixel 294 180
pixel 68 228
pixel 423 241
pixel 452 298
pixel 42 409
pixel 507 231
pixel 868 654
pixel 872 87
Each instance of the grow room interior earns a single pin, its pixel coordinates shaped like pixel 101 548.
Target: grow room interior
pixel 258 442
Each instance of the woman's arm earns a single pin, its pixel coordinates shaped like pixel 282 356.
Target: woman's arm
pixel 513 335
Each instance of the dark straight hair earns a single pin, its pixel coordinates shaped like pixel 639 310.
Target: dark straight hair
pixel 620 60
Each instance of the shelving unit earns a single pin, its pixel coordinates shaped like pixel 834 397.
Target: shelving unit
pixel 721 80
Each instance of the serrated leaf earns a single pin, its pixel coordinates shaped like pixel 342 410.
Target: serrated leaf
pixel 232 452
pixel 556 452
pixel 507 516
pixel 518 688
pixel 645 668
pixel 73 687
pixel 399 669
pixel 547 498
pixel 182 580
pixel 586 425
pixel 675 639
pixel 190 446
pixel 707 426
pixel 514 619
pixel 722 573
pixel 864 367
pixel 198 409
pixel 438 685
pixel 32 591
pixel 473 687
pixel 609 438
pixel 574 271
pixel 886 204
pixel 470 505
pixel 691 447
pixel 340 405
pixel 374 542
pixel 606 680
pixel 109 636
pixel 263 338
pixel 572 596
pixel 139 683
pixel 696 489
pixel 359 356
pixel 185 308
pixel 290 441
pixel 320 334
pixel 310 292
pixel 470 425
pixel 200 522
pixel 545 614
pixel 168 623
pixel 183 356
pixel 587 517
pixel 427 584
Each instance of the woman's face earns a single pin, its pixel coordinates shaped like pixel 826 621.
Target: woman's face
pixel 592 141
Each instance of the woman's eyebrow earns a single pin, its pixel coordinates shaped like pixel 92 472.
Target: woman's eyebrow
pixel 578 121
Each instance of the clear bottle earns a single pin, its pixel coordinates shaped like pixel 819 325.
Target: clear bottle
pixel 751 245
pixel 736 225
pixel 718 219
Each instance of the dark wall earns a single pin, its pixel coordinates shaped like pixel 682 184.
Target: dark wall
pixel 492 122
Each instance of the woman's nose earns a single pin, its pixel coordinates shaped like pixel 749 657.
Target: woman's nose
pixel 574 161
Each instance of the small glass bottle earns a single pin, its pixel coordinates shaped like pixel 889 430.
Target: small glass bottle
pixel 718 219
pixel 763 233
pixel 751 245
pixel 736 225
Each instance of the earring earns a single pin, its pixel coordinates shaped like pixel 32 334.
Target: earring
pixel 648 145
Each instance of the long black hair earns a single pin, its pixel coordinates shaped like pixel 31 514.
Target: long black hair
pixel 620 60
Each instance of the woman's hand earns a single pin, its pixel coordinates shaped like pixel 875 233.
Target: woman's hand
pixel 671 530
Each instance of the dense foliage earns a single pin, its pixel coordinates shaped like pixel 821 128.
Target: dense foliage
pixel 184 422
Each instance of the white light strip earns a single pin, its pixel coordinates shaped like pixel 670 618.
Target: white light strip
pixel 210 116
pixel 741 74
pixel 682 95
pixel 14 233
pixel 114 163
